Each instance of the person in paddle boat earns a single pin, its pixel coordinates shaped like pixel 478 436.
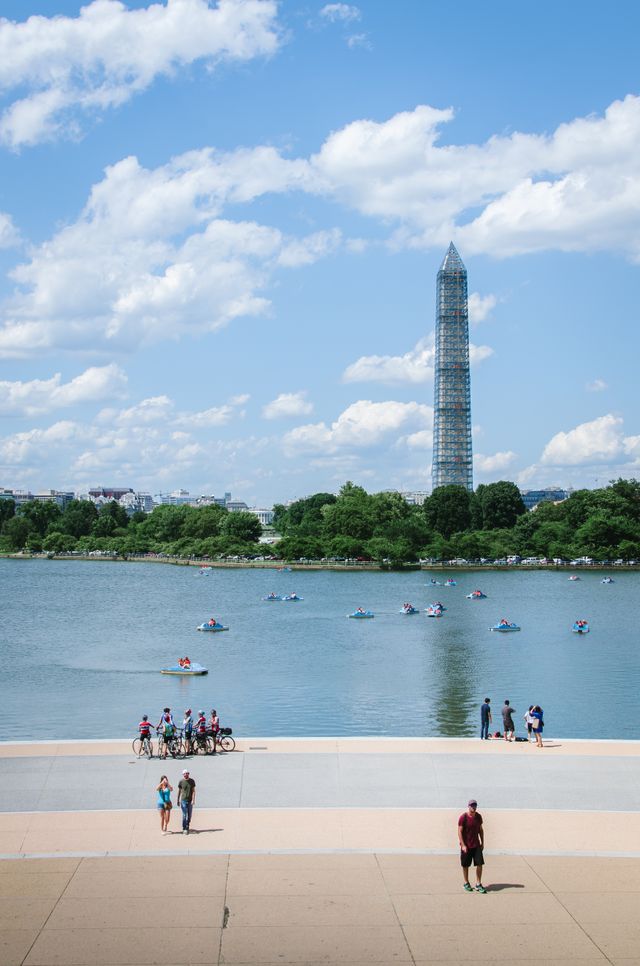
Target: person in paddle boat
pixel 504 622
pixel 360 610
pixel 272 596
pixel 212 622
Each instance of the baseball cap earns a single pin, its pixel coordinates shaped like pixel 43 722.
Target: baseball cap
pixel 472 801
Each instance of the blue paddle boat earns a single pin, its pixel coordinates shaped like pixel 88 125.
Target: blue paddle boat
pixel 580 627
pixel 190 670
pixel 435 610
pixel 476 595
pixel 361 614
pixel 450 582
pixel 292 597
pixel 409 609
pixel 505 626
pixel 212 625
pixel 273 596
pixel 607 580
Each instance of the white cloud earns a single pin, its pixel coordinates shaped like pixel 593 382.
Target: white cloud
pixel 359 40
pixel 480 307
pixel 46 395
pixel 363 424
pixel 148 259
pixel 493 464
pixel 414 367
pixel 597 385
pixel 340 12
pixel 598 441
pixel 287 404
pixel 81 66
pixel 9 235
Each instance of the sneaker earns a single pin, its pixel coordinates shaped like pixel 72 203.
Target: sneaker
pixel 481 888
pixel 467 887
pixel 185 831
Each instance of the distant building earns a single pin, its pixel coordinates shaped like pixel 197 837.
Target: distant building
pixel 414 497
pixel 137 502
pixel 108 492
pixel 264 516
pixel 236 506
pixel 452 454
pixel 60 497
pixel 531 498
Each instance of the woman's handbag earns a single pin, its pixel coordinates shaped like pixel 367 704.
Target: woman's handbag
pixel 168 806
pixel 535 724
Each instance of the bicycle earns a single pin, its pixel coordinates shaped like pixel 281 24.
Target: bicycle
pixel 202 744
pixel 142 746
pixel 224 739
pixel 173 743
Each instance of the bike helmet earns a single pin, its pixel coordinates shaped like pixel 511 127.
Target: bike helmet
pixel 187 711
pixel 200 712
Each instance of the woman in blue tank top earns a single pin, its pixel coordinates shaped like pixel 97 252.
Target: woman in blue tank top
pixel 164 790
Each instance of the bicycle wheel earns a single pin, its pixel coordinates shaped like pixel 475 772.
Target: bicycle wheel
pixel 227 743
pixel 136 744
pixel 148 747
pixel 210 746
pixel 199 746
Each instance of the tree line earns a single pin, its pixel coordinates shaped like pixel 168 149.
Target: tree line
pixel 490 523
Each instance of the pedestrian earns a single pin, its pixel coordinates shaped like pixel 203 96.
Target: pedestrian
pixel 164 790
pixel 186 799
pixel 537 724
pixel 471 838
pixel 485 718
pixel 528 719
pixel 507 720
pixel 187 727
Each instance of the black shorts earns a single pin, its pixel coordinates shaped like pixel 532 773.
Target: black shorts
pixel 471 855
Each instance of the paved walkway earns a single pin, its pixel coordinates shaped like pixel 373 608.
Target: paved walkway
pixel 332 852
pixel 308 909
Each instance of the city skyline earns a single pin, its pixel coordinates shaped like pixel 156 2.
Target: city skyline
pixel 220 224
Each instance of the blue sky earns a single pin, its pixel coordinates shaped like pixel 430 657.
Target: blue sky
pixel 220 226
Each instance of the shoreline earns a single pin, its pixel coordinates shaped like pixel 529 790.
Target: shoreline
pixel 359 567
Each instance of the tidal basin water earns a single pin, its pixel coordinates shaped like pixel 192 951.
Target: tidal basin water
pixel 82 644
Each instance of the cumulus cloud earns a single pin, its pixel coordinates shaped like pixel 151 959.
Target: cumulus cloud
pixel 73 67
pixel 414 367
pixel 493 464
pixel 340 12
pixel 480 307
pixel 363 424
pixel 149 259
pixel 149 441
pixel 597 385
pixel 598 441
pixel 47 395
pixel 9 235
pixel 287 404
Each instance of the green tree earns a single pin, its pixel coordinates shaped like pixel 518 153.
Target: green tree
pixel 56 542
pixel 115 512
pixel 351 515
pixel 7 510
pixel 16 531
pixel 448 510
pixel 206 521
pixel 501 504
pixel 243 527
pixel 78 518
pixel 41 516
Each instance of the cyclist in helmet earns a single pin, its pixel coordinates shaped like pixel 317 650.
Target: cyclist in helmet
pixel 144 727
pixel 214 727
pixel 167 728
pixel 201 723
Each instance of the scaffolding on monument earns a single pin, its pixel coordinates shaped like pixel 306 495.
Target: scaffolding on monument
pixel 452 452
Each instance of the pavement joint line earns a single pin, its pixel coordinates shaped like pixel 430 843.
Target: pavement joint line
pixel 316 808
pixel 471 739
pixel 531 853
pixel 570 914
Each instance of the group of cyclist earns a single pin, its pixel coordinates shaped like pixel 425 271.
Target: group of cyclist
pixel 201 734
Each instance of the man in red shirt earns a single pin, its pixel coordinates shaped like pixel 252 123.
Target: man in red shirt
pixel 471 838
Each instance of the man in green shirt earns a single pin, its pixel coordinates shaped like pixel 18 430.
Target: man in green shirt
pixel 186 799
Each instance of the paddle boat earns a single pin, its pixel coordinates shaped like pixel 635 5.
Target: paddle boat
pixel 450 582
pixel 190 669
pixel 273 596
pixel 409 609
pixel 580 627
pixel 476 595
pixel 607 580
pixel 292 597
pixel 283 570
pixel 505 626
pixel 433 582
pixel 212 625
pixel 435 610
pixel 359 614
pixel 573 577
